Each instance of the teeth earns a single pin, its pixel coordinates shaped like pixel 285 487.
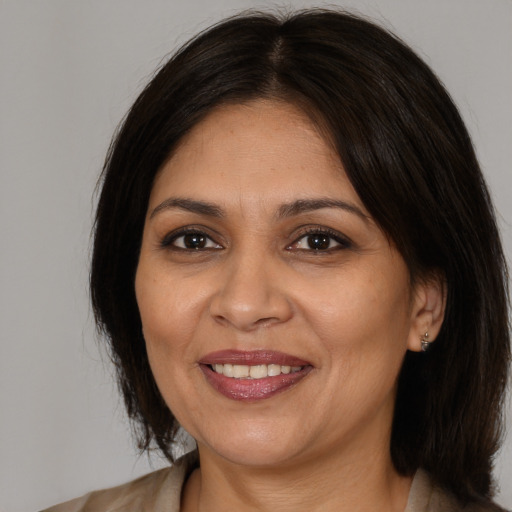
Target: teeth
pixel 259 371
pixel 274 369
pixel 240 371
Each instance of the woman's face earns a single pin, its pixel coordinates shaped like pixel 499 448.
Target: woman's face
pixel 276 313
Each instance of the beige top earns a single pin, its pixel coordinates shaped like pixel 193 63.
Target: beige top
pixel 160 491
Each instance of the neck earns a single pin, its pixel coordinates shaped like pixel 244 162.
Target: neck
pixel 362 482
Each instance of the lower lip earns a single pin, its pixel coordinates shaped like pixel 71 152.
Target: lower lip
pixel 251 390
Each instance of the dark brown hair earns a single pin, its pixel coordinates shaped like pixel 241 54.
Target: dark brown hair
pixel 407 153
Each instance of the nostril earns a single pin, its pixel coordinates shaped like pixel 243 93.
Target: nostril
pixel 263 322
pixel 246 323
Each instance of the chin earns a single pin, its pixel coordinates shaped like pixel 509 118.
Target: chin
pixel 257 446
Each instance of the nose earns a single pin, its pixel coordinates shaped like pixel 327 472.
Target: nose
pixel 250 295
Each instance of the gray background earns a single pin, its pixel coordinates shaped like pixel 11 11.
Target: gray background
pixel 69 70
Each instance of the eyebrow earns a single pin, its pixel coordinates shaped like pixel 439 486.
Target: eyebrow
pixel 286 210
pixel 309 205
pixel 189 205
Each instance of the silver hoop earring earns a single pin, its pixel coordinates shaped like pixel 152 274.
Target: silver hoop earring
pixel 425 343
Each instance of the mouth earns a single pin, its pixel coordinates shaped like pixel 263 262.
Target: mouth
pixel 258 371
pixel 252 376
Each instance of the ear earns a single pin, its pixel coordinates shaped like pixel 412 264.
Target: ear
pixel 427 310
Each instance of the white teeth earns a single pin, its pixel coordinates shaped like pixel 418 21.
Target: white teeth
pixel 240 371
pixel 274 369
pixel 259 371
pixel 227 371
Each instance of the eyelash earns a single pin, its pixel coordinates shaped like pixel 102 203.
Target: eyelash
pixel 168 242
pixel 342 241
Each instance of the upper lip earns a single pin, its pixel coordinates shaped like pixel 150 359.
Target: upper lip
pixel 252 357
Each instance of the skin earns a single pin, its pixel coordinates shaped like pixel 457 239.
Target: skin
pixel 349 310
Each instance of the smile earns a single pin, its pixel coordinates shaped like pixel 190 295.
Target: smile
pixel 259 371
pixel 252 376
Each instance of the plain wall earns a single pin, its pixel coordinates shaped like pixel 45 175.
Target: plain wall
pixel 69 70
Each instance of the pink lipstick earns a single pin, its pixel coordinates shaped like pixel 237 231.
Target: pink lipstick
pixel 255 375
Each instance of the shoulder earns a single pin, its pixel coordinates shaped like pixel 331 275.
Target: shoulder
pixel 155 492
pixel 120 498
pixel 425 496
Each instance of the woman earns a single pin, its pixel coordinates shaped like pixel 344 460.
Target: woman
pixel 296 259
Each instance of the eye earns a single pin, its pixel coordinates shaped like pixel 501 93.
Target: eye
pixel 320 240
pixel 190 240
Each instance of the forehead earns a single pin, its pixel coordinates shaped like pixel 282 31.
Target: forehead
pixel 263 149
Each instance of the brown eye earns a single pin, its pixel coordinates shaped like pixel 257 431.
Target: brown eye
pixel 190 241
pixel 194 241
pixel 318 242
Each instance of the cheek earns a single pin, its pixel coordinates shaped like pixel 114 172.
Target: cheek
pixel 164 334
pixel 168 317
pixel 362 320
pixel 362 326
pixel 354 309
pixel 169 308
